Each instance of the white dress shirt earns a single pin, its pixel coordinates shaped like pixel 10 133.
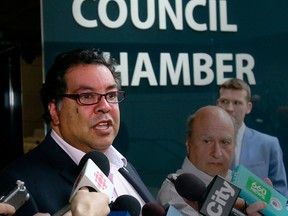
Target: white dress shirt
pixel 168 195
pixel 238 146
pixel 117 161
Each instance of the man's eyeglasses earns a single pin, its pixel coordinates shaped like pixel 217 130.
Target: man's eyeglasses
pixel 90 98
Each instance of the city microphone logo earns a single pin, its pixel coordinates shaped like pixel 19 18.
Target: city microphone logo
pixel 220 198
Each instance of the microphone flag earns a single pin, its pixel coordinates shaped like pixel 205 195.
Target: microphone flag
pixel 254 189
pixel 219 198
pixel 92 176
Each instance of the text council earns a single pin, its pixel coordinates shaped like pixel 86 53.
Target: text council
pixel 179 14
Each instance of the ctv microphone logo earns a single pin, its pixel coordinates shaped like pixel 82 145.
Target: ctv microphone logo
pixel 100 180
pixel 219 198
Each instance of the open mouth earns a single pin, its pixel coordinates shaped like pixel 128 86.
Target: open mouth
pixel 103 125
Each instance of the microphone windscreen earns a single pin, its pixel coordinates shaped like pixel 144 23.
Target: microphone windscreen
pixel 153 209
pixel 189 186
pixel 98 158
pixel 127 203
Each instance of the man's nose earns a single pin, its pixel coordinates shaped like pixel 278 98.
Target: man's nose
pixel 217 150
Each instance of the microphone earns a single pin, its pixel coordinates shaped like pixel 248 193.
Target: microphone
pixel 189 186
pixel 91 176
pixel 98 158
pixel 172 211
pixel 16 196
pixel 123 204
pixel 254 189
pixel 217 199
pixel 153 209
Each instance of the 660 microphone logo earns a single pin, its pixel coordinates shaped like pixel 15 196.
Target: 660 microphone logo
pixel 100 180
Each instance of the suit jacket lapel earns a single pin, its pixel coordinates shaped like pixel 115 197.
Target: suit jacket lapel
pixel 245 145
pixel 131 175
pixel 56 156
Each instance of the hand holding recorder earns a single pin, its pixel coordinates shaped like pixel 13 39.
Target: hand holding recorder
pixel 11 201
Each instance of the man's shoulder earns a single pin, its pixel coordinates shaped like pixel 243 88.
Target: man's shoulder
pixel 26 160
pixel 259 134
pixel 46 154
pixel 167 190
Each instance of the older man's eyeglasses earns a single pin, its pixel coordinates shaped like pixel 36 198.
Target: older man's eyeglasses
pixel 90 98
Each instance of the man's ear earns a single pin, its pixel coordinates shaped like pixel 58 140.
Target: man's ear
pixel 249 107
pixel 53 112
pixel 187 146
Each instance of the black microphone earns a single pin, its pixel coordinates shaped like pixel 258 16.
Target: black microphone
pixel 98 158
pixel 125 203
pixel 189 186
pixel 217 199
pixel 153 209
pixel 94 167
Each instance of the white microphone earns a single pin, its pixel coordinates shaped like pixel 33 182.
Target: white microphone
pixel 91 176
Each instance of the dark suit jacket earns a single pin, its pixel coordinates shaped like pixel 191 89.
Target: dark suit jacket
pixel 49 174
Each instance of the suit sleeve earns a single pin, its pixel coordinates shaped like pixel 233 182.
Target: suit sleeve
pixel 277 173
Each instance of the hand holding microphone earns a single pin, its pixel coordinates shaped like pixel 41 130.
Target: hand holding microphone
pixel 217 199
pixel 90 203
pixel 92 176
pixel 95 179
pixel 255 190
pixel 6 209
pixel 218 192
pixel 86 203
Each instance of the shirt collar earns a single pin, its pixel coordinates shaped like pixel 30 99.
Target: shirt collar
pixel 74 153
pixel 114 157
pixel 240 133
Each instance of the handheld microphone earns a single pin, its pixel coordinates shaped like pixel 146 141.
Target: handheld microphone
pixel 98 158
pixel 125 203
pixel 172 211
pixel 16 196
pixel 217 199
pixel 189 186
pixel 253 189
pixel 91 176
pixel 153 209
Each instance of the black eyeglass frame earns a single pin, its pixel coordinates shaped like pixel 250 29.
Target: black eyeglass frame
pixel 77 97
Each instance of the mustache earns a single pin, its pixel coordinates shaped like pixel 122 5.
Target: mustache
pixel 100 118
